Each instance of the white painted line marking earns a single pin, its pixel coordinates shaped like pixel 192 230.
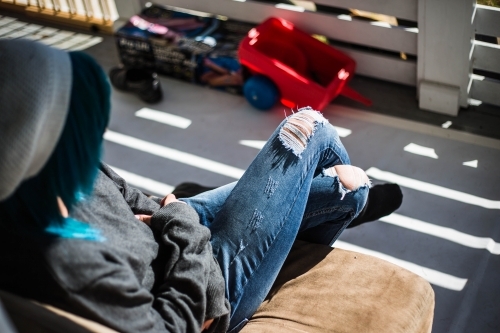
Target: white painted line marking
pixel 32 27
pixel 5 31
pixel 443 232
pixel 33 37
pixel 91 42
pixel 474 102
pixel 47 31
pixel 81 38
pixel 16 34
pixel 435 277
pixel 163 117
pixel 344 17
pixel 421 150
pixel 381 24
pixel 57 38
pixel 472 164
pixel 6 20
pixel 432 189
pixel 343 132
pixel 258 144
pixel 23 32
pixel 16 25
pixel 173 154
pixel 413 126
pixel 290 7
pixel 446 124
pixel 144 183
pixel 73 41
pixel 414 30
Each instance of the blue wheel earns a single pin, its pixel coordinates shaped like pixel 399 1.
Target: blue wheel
pixel 260 92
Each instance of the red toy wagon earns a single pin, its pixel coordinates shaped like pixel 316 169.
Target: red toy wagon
pixel 287 64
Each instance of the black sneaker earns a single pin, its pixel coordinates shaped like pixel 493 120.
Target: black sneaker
pixel 382 200
pixel 186 190
pixel 142 82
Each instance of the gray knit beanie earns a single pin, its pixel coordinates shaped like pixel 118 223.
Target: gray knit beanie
pixel 35 89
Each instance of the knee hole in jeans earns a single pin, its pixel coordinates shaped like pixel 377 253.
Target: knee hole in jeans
pixel 350 177
pixel 299 128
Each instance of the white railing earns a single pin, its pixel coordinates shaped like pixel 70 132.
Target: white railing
pixel 485 57
pixel 428 44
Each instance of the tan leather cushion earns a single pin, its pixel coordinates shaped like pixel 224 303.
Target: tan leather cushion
pixel 321 289
pixel 32 317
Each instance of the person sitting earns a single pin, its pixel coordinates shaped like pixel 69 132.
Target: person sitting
pixel 75 235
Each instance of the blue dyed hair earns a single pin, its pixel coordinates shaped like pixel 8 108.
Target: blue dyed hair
pixel 72 168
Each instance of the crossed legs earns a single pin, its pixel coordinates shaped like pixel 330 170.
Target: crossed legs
pixel 298 181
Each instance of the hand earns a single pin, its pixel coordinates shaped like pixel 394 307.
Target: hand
pixel 165 201
pixel 206 324
pixel 144 218
pixel 169 198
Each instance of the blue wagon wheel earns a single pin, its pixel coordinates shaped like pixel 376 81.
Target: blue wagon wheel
pixel 260 92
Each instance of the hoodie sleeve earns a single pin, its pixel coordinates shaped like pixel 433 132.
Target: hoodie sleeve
pixel 100 280
pixel 139 202
pixel 179 226
pixel 102 286
pixel 217 305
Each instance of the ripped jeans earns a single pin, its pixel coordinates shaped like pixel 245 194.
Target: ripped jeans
pixel 290 189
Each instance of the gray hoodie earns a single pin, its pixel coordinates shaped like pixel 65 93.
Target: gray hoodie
pixel 161 278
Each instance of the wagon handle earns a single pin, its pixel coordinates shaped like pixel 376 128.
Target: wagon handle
pixel 353 94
